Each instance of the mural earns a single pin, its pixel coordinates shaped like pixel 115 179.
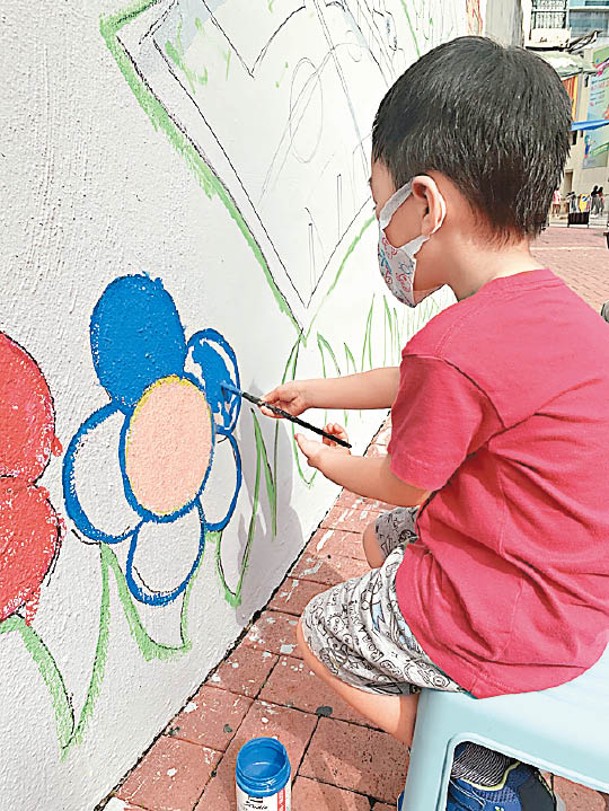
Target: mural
pixel 475 23
pixel 597 141
pixel 168 414
pixel 153 476
pixel 225 148
pixel 30 528
pixel 211 66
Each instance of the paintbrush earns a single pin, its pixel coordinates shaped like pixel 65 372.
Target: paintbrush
pixel 285 414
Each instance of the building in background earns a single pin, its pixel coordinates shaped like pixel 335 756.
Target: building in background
pixel 585 16
pixel 573 36
pixel 549 14
pixel 585 75
pixel 579 17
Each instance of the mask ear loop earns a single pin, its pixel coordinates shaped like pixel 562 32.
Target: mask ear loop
pixel 396 200
pixel 392 205
pixel 442 217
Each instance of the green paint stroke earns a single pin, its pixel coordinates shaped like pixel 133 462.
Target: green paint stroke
pixel 227 58
pixel 148 647
pixel 101 655
pixel 192 77
pixel 301 341
pixel 271 490
pixel 282 77
pixel 388 325
pixel 64 714
pixel 308 480
pixel 356 240
pixel 350 360
pixel 324 347
pixel 410 25
pixel 206 177
pixel 367 346
pixel 178 56
pixel 262 465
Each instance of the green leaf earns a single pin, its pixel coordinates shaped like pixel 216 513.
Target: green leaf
pixel 268 473
pixel 101 655
pixel 51 675
pixel 234 597
pixel 367 347
pixel 148 647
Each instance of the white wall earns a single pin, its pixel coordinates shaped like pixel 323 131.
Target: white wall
pixel 582 180
pixel 505 20
pixel 228 161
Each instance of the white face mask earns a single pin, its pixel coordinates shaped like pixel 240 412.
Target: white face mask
pixel 398 265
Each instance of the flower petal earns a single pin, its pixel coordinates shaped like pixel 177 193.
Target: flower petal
pixel 26 414
pixel 136 337
pixel 30 535
pixel 219 496
pixel 212 362
pixel 163 557
pixel 92 479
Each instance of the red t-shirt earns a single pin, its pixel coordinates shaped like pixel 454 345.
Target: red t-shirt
pixel 503 412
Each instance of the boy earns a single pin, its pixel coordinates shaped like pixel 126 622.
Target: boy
pixel 500 415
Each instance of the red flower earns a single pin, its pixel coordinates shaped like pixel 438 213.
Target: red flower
pixel 30 529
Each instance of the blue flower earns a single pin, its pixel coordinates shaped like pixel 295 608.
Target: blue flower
pixel 141 471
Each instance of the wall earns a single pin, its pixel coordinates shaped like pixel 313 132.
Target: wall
pixel 505 21
pixel 584 171
pixel 185 204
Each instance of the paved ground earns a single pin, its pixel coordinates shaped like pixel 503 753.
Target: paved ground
pixel 262 687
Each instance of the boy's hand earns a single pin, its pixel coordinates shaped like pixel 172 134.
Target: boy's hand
pixel 338 431
pixel 314 451
pixel 291 397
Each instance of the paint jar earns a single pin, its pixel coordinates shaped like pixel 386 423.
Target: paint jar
pixel 263 776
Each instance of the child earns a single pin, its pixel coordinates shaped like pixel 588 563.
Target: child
pixel 499 582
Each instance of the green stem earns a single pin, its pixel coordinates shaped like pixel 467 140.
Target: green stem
pixel 101 655
pixel 43 658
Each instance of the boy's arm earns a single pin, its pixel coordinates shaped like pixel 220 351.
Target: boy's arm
pixel 370 477
pixel 374 389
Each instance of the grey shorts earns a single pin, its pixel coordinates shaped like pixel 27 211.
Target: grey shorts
pixel 357 631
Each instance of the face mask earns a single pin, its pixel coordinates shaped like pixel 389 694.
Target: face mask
pixel 398 265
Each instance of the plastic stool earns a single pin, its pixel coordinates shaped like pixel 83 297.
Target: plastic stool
pixel 563 730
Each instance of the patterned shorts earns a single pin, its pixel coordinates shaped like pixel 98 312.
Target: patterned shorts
pixel 357 631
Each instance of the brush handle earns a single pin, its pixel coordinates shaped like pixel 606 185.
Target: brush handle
pixel 286 415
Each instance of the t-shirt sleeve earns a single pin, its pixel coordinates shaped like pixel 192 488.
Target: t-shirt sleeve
pixel 439 417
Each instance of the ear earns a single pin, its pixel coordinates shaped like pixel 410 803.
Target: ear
pixel 427 194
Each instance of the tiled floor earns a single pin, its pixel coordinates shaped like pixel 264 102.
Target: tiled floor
pixel 263 687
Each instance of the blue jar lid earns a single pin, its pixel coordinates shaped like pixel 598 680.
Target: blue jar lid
pixel 263 767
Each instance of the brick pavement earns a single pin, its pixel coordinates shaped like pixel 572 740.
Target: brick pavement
pixel 340 762
pixel 580 256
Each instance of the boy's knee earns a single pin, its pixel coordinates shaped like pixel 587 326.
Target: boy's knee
pixel 372 550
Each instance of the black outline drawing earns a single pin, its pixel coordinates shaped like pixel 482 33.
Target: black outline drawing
pixel 372 29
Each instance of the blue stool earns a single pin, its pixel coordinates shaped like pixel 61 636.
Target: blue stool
pixel 563 730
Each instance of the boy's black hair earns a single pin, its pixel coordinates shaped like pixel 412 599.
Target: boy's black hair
pixel 495 120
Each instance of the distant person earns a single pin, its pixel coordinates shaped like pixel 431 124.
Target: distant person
pixel 572 201
pixel 594 202
pixel 601 201
pixel 556 203
pixel 492 575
